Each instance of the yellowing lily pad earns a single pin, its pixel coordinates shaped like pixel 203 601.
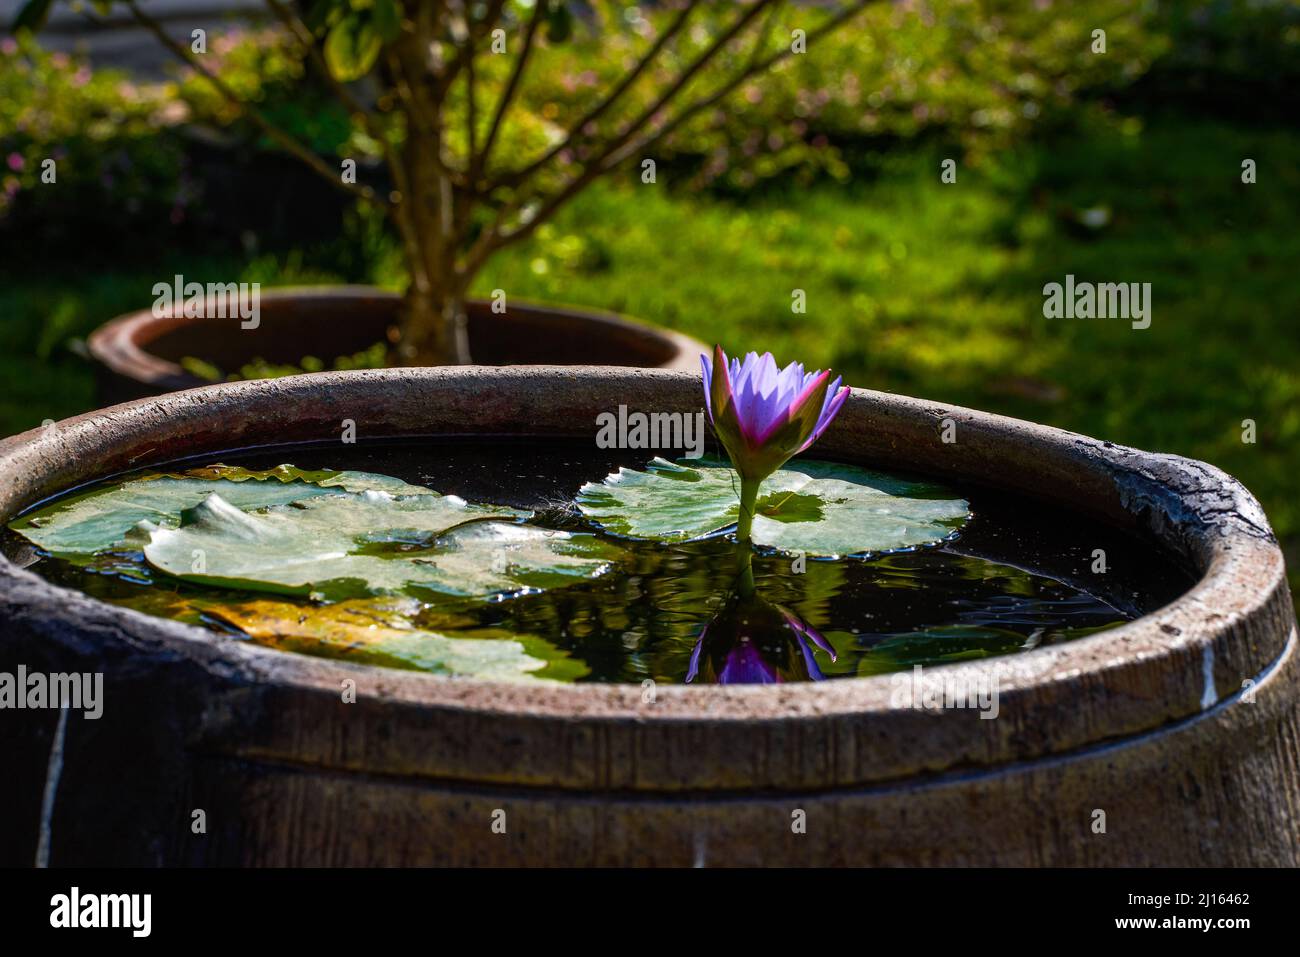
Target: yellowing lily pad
pixel 379 632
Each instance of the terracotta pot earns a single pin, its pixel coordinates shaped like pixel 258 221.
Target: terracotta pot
pixel 1180 727
pixel 139 354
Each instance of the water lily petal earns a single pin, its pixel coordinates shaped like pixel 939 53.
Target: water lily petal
pixel 764 414
pixel 809 660
pixel 745 665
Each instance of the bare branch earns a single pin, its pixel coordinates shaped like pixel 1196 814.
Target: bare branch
pixel 479 161
pixel 474 30
pixel 415 116
pixel 426 23
pixel 700 62
pixel 286 141
pixel 596 112
pixel 611 158
pixel 755 67
pixel 471 110
pixel 419 119
pixel 597 166
pixel 764 31
pixel 484 245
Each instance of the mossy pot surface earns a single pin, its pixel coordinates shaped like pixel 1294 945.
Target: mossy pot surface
pixel 1170 740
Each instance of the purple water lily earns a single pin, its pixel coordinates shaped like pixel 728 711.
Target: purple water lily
pixel 752 641
pixel 764 414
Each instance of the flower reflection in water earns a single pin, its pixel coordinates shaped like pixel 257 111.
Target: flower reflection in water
pixel 752 641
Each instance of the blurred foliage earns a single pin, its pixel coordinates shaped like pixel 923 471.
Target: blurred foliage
pixel 977 74
pixel 264 66
pixel 111 140
pixel 983 72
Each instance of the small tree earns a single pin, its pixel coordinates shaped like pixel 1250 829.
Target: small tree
pixel 443 75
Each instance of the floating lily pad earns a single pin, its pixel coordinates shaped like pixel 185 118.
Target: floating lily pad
pixel 373 543
pixel 819 508
pixel 379 632
pixel 103 518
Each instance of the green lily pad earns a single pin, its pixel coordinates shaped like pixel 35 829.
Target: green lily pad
pixel 373 543
pixel 103 519
pixel 819 508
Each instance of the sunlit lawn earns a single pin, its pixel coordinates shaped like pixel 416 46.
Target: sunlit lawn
pixel 911 286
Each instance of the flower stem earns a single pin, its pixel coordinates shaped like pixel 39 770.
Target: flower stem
pixel 748 503
pixel 744 527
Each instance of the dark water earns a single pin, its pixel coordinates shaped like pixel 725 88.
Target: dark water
pixel 1019 575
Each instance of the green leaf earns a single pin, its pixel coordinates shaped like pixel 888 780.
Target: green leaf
pixel 819 508
pixel 352 46
pixel 32 16
pixel 102 519
pixel 338 546
pixel 379 632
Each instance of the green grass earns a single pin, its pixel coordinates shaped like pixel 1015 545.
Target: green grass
pixel 912 286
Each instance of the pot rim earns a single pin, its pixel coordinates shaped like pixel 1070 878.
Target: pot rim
pixel 114 344
pixel 1176 662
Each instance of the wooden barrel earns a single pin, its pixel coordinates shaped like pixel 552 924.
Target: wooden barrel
pixel 1171 740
